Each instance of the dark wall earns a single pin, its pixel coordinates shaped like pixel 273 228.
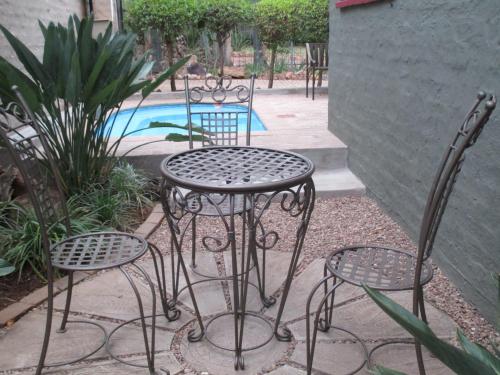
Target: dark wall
pixel 402 76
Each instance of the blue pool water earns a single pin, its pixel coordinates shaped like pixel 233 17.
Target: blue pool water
pixel 176 114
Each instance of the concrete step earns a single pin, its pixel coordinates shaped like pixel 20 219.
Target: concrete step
pixel 337 182
pixel 326 158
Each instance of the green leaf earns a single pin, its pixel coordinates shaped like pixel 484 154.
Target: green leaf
pixel 457 360
pixel 27 58
pixel 479 352
pixel 175 137
pixel 5 268
pixel 164 76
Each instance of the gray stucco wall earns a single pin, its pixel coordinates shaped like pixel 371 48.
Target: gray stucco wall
pixel 21 17
pixel 402 76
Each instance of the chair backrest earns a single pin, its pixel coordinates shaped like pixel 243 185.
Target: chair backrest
pixel 317 55
pixel 449 169
pixel 219 126
pixel 26 144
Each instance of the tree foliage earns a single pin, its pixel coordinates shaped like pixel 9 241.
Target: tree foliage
pixel 170 17
pixel 312 17
pixel 221 17
pixel 277 23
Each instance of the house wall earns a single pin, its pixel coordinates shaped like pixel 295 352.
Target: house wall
pixel 21 17
pixel 402 76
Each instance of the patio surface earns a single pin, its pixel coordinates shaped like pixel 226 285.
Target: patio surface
pixel 293 123
pixel 107 298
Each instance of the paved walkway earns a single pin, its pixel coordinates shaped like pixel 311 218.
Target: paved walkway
pixel 259 84
pixel 106 298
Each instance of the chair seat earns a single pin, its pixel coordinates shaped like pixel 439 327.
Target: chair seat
pixel 380 268
pixel 210 202
pixel 96 251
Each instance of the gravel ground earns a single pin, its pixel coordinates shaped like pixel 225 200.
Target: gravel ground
pixel 338 222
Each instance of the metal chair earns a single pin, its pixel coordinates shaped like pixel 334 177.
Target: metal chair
pixel 217 128
pixel 390 269
pixel 316 60
pixel 27 146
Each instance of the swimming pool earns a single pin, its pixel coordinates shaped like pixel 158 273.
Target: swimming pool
pixel 175 114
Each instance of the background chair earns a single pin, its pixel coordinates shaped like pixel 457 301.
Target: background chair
pixel 217 127
pixel 316 61
pixel 27 146
pixel 389 269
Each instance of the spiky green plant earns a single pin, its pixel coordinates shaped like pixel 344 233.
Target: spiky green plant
pixel 77 86
pixel 20 236
pixel 472 359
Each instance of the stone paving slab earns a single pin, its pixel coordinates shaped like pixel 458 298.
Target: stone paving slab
pixel 202 356
pixel 24 341
pixel 301 288
pixel 287 370
pixel 277 263
pixel 368 321
pixel 332 358
pixel 162 360
pixel 209 295
pixel 110 295
pixel 402 358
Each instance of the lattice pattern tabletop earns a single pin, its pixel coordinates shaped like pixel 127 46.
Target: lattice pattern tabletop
pixel 236 169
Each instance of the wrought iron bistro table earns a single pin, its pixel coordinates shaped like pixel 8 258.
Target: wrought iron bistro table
pixel 232 183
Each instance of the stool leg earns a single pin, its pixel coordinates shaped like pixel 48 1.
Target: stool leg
pixel 326 322
pixel 418 347
pixel 149 347
pixel 69 293
pixel 313 82
pixel 311 337
pixel 48 322
pixel 307 82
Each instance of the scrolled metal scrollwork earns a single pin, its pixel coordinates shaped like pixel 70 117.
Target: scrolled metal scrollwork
pixel 218 89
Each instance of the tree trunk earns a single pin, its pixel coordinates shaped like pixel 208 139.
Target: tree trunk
pixel 170 59
pixel 271 66
pixel 220 43
pixel 228 52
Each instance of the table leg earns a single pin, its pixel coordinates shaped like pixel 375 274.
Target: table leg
pixel 170 199
pixel 301 203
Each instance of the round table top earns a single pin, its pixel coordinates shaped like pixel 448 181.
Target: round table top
pixel 237 169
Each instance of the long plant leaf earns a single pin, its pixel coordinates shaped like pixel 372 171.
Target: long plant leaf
pixel 175 137
pixel 457 360
pixel 479 352
pixel 5 268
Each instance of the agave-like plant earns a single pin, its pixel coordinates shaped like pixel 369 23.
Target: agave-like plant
pixel 472 359
pixel 75 90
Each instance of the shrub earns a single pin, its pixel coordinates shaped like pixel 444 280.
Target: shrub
pixel 123 201
pixel 221 17
pixel 119 203
pixel 21 240
pixel 79 84
pixel 170 17
pixel 240 40
pixel 277 22
pixel 312 18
